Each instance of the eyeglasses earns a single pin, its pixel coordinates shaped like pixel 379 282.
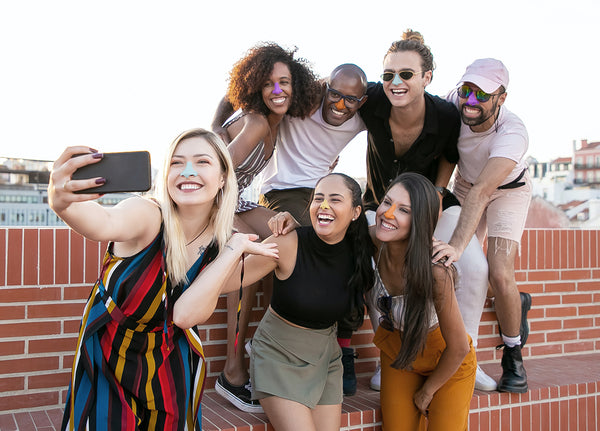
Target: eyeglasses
pixel 384 304
pixel 350 101
pixel 464 91
pixel 405 75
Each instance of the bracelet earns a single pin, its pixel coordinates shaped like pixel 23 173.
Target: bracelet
pixel 443 191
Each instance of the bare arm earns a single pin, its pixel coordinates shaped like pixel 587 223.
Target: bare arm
pixel 445 169
pixel 493 174
pixel 248 132
pixel 133 221
pixel 222 113
pixel 222 275
pixel 455 336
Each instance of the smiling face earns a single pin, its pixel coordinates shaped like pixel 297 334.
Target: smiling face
pixel 394 215
pixel 337 113
pixel 195 175
pixel 331 210
pixel 277 91
pixel 480 116
pixel 400 92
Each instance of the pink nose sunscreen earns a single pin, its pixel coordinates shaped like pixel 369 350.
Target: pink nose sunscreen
pixel 277 89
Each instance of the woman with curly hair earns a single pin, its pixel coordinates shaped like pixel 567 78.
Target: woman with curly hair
pixel 264 85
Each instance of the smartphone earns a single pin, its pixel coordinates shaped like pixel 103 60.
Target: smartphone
pixel 124 172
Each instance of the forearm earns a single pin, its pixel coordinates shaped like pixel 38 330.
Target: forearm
pixel 471 212
pixel 199 300
pixel 449 362
pixel 223 111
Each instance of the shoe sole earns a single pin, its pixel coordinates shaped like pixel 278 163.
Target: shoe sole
pixel 375 388
pixel 236 401
pixel 513 389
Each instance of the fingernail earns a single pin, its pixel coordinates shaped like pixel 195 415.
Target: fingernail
pixel 97 155
pixel 100 180
pixel 93 150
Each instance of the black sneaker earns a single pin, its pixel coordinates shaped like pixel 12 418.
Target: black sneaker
pixel 239 396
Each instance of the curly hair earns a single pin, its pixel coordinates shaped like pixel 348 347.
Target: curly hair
pixel 249 74
pixel 414 41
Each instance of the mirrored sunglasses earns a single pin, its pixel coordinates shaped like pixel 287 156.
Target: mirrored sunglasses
pixel 464 91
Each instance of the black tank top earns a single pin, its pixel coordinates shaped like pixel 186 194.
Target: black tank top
pixel 317 294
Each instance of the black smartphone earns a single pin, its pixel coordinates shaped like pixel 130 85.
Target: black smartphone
pixel 124 172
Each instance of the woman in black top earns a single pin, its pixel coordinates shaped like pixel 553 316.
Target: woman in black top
pixel 321 273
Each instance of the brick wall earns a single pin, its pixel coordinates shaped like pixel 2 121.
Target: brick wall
pixel 46 275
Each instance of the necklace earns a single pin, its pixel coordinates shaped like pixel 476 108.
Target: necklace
pixel 197 236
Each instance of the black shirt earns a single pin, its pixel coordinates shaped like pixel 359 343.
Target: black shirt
pixel 317 294
pixel 438 138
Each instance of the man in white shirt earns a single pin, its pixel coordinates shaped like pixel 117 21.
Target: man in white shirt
pixel 494 189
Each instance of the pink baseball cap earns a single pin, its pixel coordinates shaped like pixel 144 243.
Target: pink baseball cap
pixel 486 73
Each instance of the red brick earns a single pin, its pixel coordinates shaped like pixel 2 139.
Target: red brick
pixel 557 249
pixel 575 274
pixel 589 333
pixel 12 312
pixel 30 257
pixel 578 323
pixel 12 347
pixel 54 310
pixel 545 325
pixel 9 366
pixel 46 256
pixel 588 285
pixel 2 257
pixel 15 257
pixel 61 256
pixel 27 329
pixel 577 249
pixel 51 345
pixel 29 400
pixel 561 336
pixel 29 294
pixel 585 246
pixel 561 312
pixel 8 384
pixel 589 309
pixel 542 300
pixel 53 380
pixel 552 349
pixel 92 260
pixel 560 287
pixel 76 258
pixel 77 292
pixel 71 326
pixel 543 275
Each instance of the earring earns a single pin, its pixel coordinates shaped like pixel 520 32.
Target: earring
pixel 220 200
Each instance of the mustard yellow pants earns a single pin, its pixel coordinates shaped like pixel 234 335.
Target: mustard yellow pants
pixel 449 408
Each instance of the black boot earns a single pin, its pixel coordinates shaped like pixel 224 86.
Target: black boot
pixel 525 307
pixel 349 380
pixel 514 377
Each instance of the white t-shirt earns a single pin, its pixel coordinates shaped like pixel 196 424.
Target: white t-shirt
pixel 305 149
pixel 507 138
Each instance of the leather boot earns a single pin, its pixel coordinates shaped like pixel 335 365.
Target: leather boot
pixel 525 307
pixel 514 377
pixel 349 379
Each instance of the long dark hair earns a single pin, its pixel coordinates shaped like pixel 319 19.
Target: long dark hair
pixel 362 249
pixel 418 293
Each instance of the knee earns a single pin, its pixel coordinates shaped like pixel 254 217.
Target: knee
pixel 501 280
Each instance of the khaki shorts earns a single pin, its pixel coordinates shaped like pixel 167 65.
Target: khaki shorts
pixel 506 212
pixel 299 364
pixel 295 201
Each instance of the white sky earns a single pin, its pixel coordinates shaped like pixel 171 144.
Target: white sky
pixel 130 75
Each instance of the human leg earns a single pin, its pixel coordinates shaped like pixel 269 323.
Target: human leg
pixel 327 417
pixel 287 415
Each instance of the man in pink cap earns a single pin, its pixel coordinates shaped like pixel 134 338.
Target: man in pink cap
pixel 494 189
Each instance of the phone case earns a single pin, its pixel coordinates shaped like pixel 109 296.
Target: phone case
pixel 124 172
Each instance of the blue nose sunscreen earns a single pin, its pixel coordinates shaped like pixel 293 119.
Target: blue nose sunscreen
pixel 189 171
pixel 397 80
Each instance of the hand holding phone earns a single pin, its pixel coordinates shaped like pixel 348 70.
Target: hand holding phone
pixel 123 172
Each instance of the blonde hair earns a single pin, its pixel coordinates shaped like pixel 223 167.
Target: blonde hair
pixel 222 211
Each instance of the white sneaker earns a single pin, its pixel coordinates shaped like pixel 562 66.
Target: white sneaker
pixel 483 382
pixel 248 346
pixel 376 379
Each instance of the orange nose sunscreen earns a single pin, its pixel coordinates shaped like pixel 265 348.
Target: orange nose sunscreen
pixel 325 205
pixel 389 214
pixel 339 105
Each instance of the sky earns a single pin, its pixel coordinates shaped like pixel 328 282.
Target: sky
pixel 131 75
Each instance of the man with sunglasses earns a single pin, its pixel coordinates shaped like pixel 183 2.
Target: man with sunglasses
pixel 494 188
